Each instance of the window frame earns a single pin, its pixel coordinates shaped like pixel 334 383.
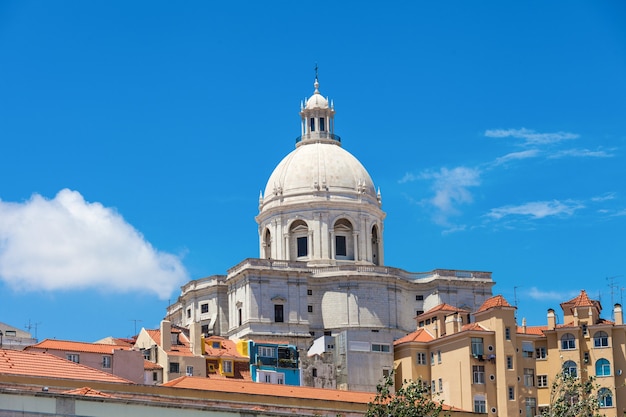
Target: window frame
pixel 568 342
pixel 279 313
pixel 106 361
pixel 600 339
pixel 204 308
pixel 604 365
pixel 478 374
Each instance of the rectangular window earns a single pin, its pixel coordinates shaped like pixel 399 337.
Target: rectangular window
pixel 155 376
pixel 322 124
pixel 433 386
pixel 268 378
pixel 204 308
pixel 340 246
pixel 204 329
pixel 477 346
pixel 309 292
pixel 421 323
pixel 239 316
pixel 421 358
pixel 541 353
pixel 478 372
pixel 174 367
pixel 227 366
pixel 74 357
pixel 432 358
pixel 542 381
pixel 106 362
pixel 314 372
pixel 438 356
pixel 418 312
pixel 310 309
pixel 216 344
pixel 189 371
pixel 188 313
pixel 531 407
pixel 267 352
pixel 312 124
pixel 302 242
pixel 509 362
pixel 419 298
pixel 529 377
pixel 480 406
pixel 278 313
pixel 380 347
pixel 280 380
pixel 507 333
pixel 511 393
pixel 440 384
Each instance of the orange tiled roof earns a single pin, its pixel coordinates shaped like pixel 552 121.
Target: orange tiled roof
pixel 227 349
pixel 444 307
pixel 15 362
pixel 420 335
pixel 182 349
pixel 535 330
pixel 88 392
pixel 71 346
pixel 257 388
pixel 493 302
pixel 581 300
pixel 473 326
pixel 151 366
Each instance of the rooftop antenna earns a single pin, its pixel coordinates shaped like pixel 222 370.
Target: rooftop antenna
pixel 135 321
pixel 613 287
pixel 30 326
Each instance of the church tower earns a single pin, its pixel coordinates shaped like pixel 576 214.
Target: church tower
pixel 320 205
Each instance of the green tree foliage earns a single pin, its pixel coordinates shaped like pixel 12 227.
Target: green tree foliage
pixel 410 400
pixel 571 396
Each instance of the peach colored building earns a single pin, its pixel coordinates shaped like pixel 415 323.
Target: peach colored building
pixel 120 360
pixel 493 366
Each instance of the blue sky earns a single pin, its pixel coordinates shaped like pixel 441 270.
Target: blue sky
pixel 135 138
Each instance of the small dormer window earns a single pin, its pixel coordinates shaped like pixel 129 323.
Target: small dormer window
pixel 174 339
pixel 322 124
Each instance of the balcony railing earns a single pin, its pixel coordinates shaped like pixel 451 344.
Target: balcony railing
pixel 319 135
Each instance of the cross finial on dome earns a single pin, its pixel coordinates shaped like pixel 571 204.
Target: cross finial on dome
pixel 316 84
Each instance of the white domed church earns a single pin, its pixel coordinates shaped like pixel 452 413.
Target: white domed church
pixel 320 281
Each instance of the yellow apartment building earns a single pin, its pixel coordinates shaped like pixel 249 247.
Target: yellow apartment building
pixel 487 364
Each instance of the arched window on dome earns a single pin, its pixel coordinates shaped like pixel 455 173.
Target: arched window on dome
pixel 267 244
pixel 299 240
pixel 344 240
pixel 375 246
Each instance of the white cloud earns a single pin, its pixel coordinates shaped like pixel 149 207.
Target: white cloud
pixel 581 153
pixel 408 177
pixel 531 153
pixel 451 189
pixel 537 209
pixel 537 294
pixel 68 243
pixel 530 136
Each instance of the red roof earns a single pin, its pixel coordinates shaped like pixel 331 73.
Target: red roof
pixel 581 300
pixel 151 366
pixel 15 362
pixel 420 335
pixel 227 349
pixel 275 390
pixel 87 392
pixel 535 330
pixel 71 346
pixel 181 349
pixel 443 307
pixel 494 302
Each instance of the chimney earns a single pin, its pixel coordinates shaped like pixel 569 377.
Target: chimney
pixel 551 319
pixel 452 324
pixel 617 312
pixel 524 325
pixel 166 335
pixel 195 337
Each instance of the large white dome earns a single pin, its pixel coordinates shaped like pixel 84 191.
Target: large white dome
pixel 319 168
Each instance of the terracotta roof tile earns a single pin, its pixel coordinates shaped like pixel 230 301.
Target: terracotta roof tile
pixel 444 307
pixel 420 335
pixel 71 346
pixel 151 366
pixel 227 349
pixel 15 362
pixel 494 302
pixel 474 327
pixel 257 388
pixel 535 330
pixel 581 300
pixel 182 349
pixel 88 392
